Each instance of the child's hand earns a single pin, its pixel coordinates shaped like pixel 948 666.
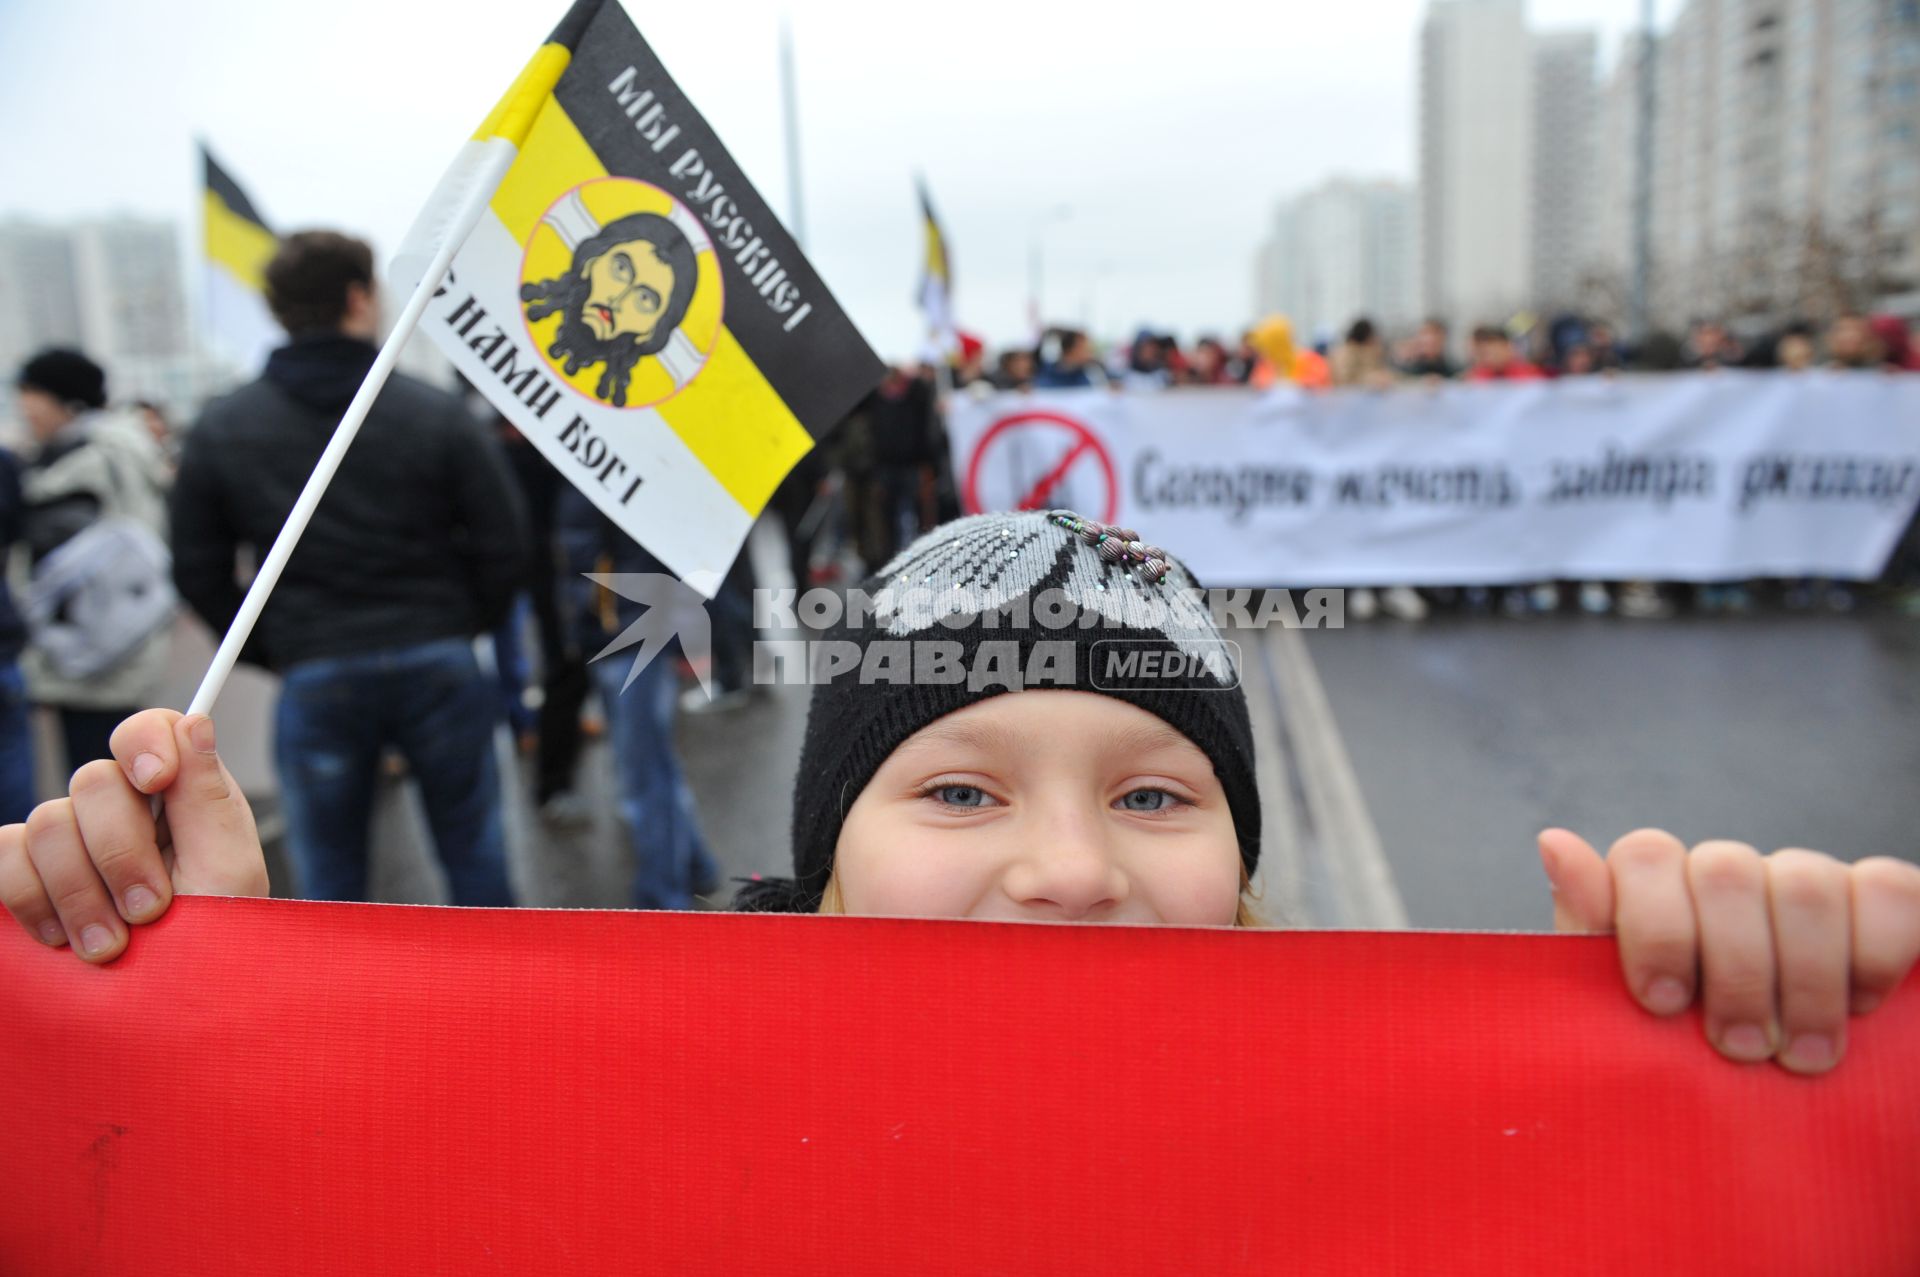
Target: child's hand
pixel 84 867
pixel 1781 947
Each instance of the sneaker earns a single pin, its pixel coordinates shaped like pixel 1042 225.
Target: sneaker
pixel 567 810
pixel 695 701
pixel 1641 601
pixel 1514 602
pixel 1405 603
pixel 1594 599
pixel 1544 598
pixel 1362 605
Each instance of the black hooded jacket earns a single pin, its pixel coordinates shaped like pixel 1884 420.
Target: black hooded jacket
pixel 421 535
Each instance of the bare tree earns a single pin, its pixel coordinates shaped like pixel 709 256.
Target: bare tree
pixel 1782 268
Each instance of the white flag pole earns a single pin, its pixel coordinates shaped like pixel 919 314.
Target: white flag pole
pixel 476 183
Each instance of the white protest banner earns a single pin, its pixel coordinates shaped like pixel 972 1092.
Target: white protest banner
pixel 1700 477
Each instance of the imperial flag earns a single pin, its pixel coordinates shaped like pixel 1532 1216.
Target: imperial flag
pixel 630 304
pixel 236 245
pixel 935 295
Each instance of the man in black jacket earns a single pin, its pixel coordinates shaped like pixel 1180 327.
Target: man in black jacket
pixel 418 545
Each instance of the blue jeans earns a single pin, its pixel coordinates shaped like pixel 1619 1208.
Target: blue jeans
pixel 513 667
pixel 670 853
pixel 431 702
pixel 16 746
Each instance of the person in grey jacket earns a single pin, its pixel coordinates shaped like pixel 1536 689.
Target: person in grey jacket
pixel 91 464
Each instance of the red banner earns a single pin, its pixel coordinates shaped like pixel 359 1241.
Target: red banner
pixel 274 1087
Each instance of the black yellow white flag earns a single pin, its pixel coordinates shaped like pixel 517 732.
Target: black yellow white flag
pixel 236 244
pixel 629 302
pixel 936 281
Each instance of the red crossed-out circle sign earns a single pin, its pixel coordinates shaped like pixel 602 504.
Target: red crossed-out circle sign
pixel 1060 445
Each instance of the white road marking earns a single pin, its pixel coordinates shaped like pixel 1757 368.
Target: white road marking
pixel 1329 865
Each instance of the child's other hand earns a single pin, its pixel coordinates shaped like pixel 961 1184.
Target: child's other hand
pixel 84 867
pixel 1780 948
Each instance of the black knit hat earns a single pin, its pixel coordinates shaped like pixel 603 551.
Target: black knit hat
pixel 1040 600
pixel 67 375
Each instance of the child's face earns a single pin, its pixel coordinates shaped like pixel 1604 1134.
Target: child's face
pixel 1043 806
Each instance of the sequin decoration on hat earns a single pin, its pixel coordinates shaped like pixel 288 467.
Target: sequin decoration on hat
pixel 1117 545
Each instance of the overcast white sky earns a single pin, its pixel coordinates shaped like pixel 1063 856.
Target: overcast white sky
pixel 1168 129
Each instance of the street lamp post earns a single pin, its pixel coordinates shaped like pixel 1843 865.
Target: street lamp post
pixel 1089 305
pixel 1640 300
pixel 796 215
pixel 1036 240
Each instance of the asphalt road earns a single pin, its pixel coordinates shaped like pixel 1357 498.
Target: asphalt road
pixel 1404 768
pixel 1468 736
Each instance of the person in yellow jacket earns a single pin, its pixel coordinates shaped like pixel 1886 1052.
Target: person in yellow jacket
pixel 1282 361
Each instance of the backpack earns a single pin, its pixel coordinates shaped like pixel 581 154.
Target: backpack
pixel 98 595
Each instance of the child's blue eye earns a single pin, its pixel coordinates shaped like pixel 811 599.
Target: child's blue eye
pixel 1148 800
pixel 961 795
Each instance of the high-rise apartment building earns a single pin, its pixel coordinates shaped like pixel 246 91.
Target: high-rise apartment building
pixel 1340 251
pixel 133 308
pixel 1566 111
pixel 1607 261
pixel 39 305
pixel 1477 156
pixel 1786 159
pixel 111 287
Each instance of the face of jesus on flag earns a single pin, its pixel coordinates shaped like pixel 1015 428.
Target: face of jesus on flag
pixel 615 273
pixel 629 285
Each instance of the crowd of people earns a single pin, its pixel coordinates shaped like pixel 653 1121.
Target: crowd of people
pixel 455 526
pixel 913 489
pixel 1524 349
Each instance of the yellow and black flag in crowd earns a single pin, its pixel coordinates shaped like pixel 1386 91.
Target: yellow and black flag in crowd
pixel 936 281
pixel 630 303
pixel 236 245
